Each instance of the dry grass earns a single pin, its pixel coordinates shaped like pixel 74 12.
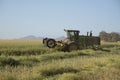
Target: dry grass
pixel 49 64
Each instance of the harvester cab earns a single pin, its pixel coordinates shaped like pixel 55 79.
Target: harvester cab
pixel 72 35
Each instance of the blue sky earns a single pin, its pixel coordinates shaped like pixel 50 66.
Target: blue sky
pixel 19 18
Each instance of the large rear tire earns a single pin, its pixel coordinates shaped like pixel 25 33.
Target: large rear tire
pixel 72 46
pixel 51 43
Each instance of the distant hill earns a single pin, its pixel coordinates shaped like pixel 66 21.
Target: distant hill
pixel 31 37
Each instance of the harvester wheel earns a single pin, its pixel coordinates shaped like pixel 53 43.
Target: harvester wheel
pixel 51 43
pixel 72 46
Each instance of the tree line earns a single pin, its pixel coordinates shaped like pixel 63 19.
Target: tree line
pixel 111 37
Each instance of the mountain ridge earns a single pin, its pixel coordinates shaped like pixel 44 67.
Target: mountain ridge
pixel 32 37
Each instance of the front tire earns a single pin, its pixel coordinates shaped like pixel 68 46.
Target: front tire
pixel 51 43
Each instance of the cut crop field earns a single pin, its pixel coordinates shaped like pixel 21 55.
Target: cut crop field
pixel 30 60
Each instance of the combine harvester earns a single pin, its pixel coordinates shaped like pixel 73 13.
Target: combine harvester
pixel 74 41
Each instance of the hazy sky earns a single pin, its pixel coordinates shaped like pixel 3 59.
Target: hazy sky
pixel 19 18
